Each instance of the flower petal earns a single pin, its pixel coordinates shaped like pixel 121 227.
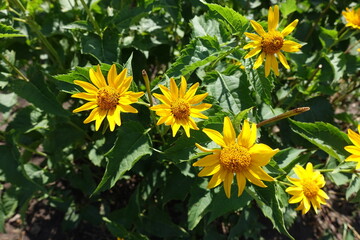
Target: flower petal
pixel 283 60
pixel 111 76
pixel 204 149
pixel 289 28
pixel 273 18
pixel 274 64
pixel 183 87
pixel 354 137
pixel 86 96
pixel 100 117
pixel 174 89
pixel 267 64
pixel 258 28
pixel 197 98
pixel 215 136
pixel 215 180
pixel 253 36
pixel 207 160
pixel 86 86
pixel 241 182
pixel 210 170
pixel 227 183
pixel 228 131
pixel 353 150
pixel 261 154
pixel 191 92
pixel 259 60
pixel 291 46
pixel 86 106
pixel 95 80
pixel 247 136
pixel 253 52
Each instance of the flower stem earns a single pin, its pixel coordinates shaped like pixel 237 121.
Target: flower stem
pixel 14 68
pixel 330 170
pixel 284 183
pixel 91 18
pixel 147 85
pixel 287 114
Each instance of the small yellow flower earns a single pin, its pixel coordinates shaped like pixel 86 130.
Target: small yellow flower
pixel 306 189
pixel 107 99
pixel 180 106
pixel 354 150
pixel 352 17
pixel 271 42
pixel 239 156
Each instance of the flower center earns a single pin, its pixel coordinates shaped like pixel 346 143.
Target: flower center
pixel 235 158
pixel 272 42
pixel 310 188
pixel 107 98
pixel 180 109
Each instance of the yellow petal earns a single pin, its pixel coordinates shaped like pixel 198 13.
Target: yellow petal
pixel 86 86
pixel 183 87
pixel 286 31
pixel 100 117
pixel 267 64
pixel 283 60
pixel 86 106
pixel 94 79
pixel 100 76
pixel 175 128
pixel 198 98
pixel 111 119
pixel 258 28
pixel 354 137
pixel 227 183
pixel 210 170
pixel 125 85
pixel 253 36
pixel 93 115
pixel 215 180
pixel 259 173
pixel 204 149
pixel 253 52
pixel 200 107
pixel 241 182
pixel 120 78
pixel 86 96
pixel 353 150
pixel 163 99
pixel 112 75
pixel 273 18
pixel 228 131
pixel 253 179
pixel 291 46
pixel 127 108
pixel 274 65
pixel 215 136
pixel 259 60
pixel 247 136
pixel 261 154
pixel 166 93
pixel 207 160
pixel 296 198
pixel 252 45
pixel 191 92
pixel 174 89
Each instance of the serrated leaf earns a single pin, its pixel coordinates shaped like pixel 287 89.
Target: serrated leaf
pixel 288 7
pixel 268 202
pixel 238 22
pixel 353 191
pixel 131 145
pixel 104 49
pixel 199 52
pixel 327 37
pixel 289 157
pixel 262 85
pixel 9 32
pixel 325 136
pixel 40 97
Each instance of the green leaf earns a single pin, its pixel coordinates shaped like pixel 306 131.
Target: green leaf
pixel 231 91
pixel 268 202
pixel 132 143
pixel 325 136
pixel 9 32
pixel 40 97
pixel 262 85
pixel 338 65
pixel 103 49
pixel 353 191
pixel 288 7
pixel 327 37
pixel 289 157
pixel 238 22
pixel 199 52
pixel 200 199
pixel 79 25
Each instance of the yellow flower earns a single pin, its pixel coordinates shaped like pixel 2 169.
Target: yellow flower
pixel 352 17
pixel 306 189
pixel 354 150
pixel 107 99
pixel 271 42
pixel 239 156
pixel 180 106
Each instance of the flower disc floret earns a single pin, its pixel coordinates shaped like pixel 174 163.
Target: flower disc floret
pixel 239 156
pixel 179 106
pixel 271 44
pixel 235 158
pixel 107 98
pixel 310 188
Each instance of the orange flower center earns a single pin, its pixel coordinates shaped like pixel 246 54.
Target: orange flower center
pixel 107 97
pixel 180 109
pixel 310 189
pixel 272 42
pixel 235 158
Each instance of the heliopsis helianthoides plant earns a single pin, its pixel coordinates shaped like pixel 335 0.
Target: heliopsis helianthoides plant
pixel 179 106
pixel 307 188
pixel 355 149
pixel 107 98
pixel 239 156
pixel 352 17
pixel 270 44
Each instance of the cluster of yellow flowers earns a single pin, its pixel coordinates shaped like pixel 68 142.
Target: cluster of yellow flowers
pixel 238 156
pixel 352 18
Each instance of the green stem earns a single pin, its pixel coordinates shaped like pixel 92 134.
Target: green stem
pixel 14 68
pixel 147 85
pixel 33 150
pixel 224 55
pixel 330 170
pixel 284 183
pixel 36 28
pixel 339 38
pixel 91 18
pixel 287 114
